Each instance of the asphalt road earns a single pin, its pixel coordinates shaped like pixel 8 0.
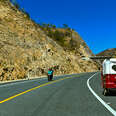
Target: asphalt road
pixel 67 95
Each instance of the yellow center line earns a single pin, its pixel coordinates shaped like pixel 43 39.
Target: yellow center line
pixel 14 96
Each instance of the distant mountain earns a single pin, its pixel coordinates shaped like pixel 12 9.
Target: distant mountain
pixel 27 48
pixel 108 52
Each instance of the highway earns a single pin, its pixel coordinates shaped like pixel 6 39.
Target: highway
pixel 67 95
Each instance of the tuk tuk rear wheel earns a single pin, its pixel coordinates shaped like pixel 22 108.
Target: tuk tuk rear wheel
pixel 105 92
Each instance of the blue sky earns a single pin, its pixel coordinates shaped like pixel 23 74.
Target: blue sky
pixel 94 20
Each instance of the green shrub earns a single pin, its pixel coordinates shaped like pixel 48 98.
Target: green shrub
pixel 57 36
pixel 65 26
pixel 17 5
pixel 50 34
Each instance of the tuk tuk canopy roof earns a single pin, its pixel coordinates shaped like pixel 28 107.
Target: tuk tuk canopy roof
pixel 109 66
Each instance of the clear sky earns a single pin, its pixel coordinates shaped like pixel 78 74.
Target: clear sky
pixel 94 20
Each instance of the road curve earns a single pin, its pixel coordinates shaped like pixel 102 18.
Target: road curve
pixel 66 96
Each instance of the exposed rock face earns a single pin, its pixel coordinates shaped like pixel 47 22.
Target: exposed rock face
pixel 25 48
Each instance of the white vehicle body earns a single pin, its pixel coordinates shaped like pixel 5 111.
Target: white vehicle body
pixel 108 66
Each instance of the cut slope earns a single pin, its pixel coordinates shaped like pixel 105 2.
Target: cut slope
pixel 26 49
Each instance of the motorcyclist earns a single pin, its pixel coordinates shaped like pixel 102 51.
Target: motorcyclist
pixel 50 74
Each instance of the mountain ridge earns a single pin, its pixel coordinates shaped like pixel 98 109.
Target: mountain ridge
pixel 108 52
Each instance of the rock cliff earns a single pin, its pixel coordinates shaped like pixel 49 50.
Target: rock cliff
pixel 25 48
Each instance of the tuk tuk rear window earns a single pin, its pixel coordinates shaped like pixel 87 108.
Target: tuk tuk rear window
pixel 114 67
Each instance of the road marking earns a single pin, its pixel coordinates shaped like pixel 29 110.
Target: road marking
pixel 45 84
pixel 102 102
pixel 26 81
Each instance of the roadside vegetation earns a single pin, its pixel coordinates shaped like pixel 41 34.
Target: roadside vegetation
pixel 62 35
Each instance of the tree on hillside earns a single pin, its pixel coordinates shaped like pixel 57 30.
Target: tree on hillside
pixel 15 3
pixel 52 26
pixel 65 26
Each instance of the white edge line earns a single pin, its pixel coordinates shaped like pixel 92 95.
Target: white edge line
pixel 102 102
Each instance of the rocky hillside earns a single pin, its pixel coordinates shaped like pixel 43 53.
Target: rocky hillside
pixel 108 52
pixel 26 48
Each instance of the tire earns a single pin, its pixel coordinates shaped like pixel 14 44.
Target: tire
pixel 48 77
pixel 51 77
pixel 105 92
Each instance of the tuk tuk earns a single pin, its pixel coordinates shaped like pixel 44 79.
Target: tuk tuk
pixel 108 76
